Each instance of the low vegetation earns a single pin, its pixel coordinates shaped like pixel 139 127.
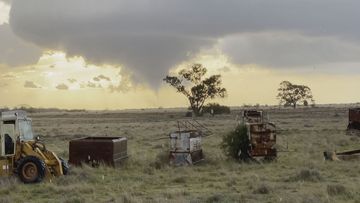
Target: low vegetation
pixel 235 144
pixel 216 109
pixel 298 176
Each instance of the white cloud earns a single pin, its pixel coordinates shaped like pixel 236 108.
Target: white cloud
pixel 4 13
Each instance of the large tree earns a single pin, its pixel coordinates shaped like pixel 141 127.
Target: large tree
pixel 290 94
pixel 198 89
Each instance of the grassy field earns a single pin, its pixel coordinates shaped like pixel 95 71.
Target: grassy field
pixel 300 176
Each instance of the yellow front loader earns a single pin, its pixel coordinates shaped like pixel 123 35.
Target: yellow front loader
pixel 23 155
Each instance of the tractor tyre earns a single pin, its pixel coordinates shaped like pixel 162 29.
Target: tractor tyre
pixel 65 166
pixel 31 169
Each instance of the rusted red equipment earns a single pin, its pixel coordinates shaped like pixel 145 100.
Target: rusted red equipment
pixel 96 150
pixel 261 135
pixel 354 119
pixel 262 138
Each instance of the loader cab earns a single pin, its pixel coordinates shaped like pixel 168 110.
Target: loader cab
pixel 14 126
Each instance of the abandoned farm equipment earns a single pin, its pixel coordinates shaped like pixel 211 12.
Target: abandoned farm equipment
pixel 252 116
pixel 345 156
pixel 354 119
pixel 185 143
pixel 353 127
pixel 24 155
pixel 261 136
pixel 111 151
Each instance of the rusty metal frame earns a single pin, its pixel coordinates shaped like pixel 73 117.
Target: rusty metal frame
pixel 262 138
pixel 98 150
pixel 354 119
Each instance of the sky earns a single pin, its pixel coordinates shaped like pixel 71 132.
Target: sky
pixel 113 54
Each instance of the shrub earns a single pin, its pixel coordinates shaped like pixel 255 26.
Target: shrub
pixel 161 160
pixel 336 189
pixel 181 179
pixel 310 175
pixel 215 198
pixel 236 143
pixel 188 114
pixel 262 189
pixel 217 108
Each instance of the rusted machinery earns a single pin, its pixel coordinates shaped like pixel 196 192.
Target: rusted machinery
pixel 261 135
pixel 252 116
pixel 185 143
pixel 94 151
pixel 345 156
pixel 262 138
pixel 23 154
pixel 354 119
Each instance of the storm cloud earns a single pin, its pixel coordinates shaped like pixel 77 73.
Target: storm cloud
pixel 15 51
pixel 284 50
pixel 6 1
pixel 150 37
pixel 62 86
pixel 31 84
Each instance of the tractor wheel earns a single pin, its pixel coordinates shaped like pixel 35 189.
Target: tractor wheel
pixel 65 166
pixel 31 169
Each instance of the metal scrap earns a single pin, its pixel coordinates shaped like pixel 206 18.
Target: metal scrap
pixel 98 150
pixel 261 134
pixel 354 119
pixel 344 156
pixel 185 143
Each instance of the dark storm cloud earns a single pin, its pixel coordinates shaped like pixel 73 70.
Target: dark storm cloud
pixel 31 84
pixel 152 36
pixel 284 50
pixel 15 51
pixel 93 85
pixel 62 87
pixel 101 77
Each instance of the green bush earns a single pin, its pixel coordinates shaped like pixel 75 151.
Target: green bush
pixel 217 108
pixel 236 143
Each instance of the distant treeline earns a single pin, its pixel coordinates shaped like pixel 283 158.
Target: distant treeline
pixel 40 110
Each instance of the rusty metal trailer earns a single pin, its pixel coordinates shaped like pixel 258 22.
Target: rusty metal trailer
pixel 354 119
pixel 98 150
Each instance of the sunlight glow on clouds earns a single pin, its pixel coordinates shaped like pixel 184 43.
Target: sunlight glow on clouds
pixel 4 13
pixel 58 81
pixel 55 71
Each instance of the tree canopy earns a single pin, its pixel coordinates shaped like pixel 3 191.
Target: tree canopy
pixel 198 89
pixel 290 94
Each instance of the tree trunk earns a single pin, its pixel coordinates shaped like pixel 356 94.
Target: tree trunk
pixel 294 105
pixel 197 111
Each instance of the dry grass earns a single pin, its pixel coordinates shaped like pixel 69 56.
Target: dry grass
pixel 296 177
